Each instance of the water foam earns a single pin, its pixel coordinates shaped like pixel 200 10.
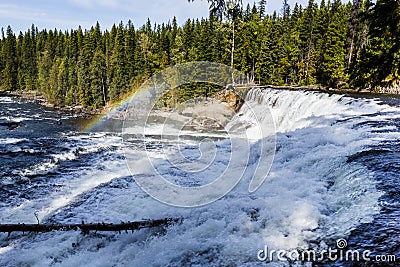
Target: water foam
pixel 312 195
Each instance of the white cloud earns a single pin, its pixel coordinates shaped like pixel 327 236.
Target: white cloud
pixel 164 10
pixel 15 12
pixel 96 3
pixel 40 17
pixel 20 14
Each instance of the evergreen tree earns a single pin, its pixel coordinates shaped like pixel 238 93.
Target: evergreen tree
pixel 52 88
pixel 380 60
pixel 83 79
pixel 129 49
pixel 247 13
pixel 120 80
pixel 322 20
pixel 267 66
pixel 28 68
pixel 62 82
pixel 249 42
pixel 307 39
pixel 10 71
pixel 333 65
pixel 44 65
pixel 290 62
pixel 353 30
pixel 261 7
pixel 319 44
pixel 71 58
pixel 285 9
pixel 1 57
pixel 97 76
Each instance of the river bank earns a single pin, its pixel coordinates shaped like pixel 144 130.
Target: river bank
pixel 40 99
pixel 226 96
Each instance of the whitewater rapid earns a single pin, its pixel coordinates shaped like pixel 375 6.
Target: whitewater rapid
pixel 313 194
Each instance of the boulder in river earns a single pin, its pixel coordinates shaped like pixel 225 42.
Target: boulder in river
pixel 11 125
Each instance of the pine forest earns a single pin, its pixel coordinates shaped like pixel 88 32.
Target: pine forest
pixel 328 44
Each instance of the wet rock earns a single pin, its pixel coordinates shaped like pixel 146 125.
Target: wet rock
pixel 11 125
pixel 229 97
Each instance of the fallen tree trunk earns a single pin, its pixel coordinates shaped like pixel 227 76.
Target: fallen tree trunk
pixel 86 228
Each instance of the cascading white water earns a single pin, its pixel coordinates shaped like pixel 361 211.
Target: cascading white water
pixel 299 109
pixel 312 195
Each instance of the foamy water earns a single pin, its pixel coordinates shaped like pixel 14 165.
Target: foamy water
pixel 312 196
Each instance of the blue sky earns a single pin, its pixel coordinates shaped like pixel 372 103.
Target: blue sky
pixel 67 14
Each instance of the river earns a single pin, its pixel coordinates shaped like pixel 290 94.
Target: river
pixel 335 176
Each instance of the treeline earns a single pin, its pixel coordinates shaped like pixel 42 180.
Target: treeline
pixel 329 44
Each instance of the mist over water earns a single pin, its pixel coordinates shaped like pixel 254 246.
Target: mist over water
pixel 334 175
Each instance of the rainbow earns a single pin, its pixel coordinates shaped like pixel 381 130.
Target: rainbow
pixel 162 82
pixel 116 108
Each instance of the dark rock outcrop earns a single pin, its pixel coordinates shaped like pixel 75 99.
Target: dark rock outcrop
pixel 11 125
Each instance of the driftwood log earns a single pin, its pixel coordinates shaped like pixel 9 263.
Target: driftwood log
pixel 86 228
